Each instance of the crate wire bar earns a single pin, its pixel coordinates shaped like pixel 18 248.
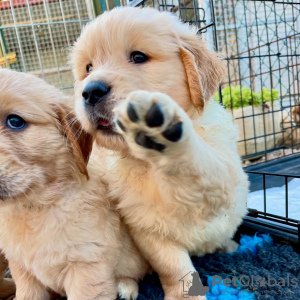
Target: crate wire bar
pixel 38 33
pixel 291 226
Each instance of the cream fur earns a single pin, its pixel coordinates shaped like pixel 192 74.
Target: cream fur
pixel 191 198
pixel 58 230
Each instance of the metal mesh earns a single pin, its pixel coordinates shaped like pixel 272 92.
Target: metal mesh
pixel 35 36
pixel 261 42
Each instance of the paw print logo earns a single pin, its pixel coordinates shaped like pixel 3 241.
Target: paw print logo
pixel 260 281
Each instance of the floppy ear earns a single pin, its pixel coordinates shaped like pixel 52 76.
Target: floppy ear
pixel 204 69
pixel 79 141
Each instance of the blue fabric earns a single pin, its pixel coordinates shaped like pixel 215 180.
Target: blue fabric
pixel 219 291
pixel 254 243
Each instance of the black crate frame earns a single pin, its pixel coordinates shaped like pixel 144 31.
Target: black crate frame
pixel 282 224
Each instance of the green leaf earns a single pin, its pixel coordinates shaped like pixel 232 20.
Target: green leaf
pixel 236 97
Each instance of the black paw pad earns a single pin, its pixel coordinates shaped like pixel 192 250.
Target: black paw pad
pixel 120 124
pixel 155 116
pixel 146 141
pixel 132 114
pixel 173 133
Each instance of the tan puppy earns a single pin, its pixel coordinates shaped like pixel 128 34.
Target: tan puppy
pixel 7 285
pixel 174 167
pixel 57 228
pixel 295 112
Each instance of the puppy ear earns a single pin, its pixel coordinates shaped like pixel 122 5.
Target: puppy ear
pixel 204 69
pixel 79 141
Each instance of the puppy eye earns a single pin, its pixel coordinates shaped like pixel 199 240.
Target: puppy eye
pixel 89 68
pixel 15 122
pixel 138 57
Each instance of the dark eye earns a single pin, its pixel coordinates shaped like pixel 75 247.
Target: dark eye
pixel 138 57
pixel 15 122
pixel 89 68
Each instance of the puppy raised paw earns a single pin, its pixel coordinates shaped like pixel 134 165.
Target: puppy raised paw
pixel 151 121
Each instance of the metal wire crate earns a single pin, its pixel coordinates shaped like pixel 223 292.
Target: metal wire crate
pixel 35 36
pixel 261 42
pixel 282 216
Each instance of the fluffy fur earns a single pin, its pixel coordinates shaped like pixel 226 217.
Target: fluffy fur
pixel 58 229
pixel 189 197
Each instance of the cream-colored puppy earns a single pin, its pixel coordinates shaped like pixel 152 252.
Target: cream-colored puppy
pixel 57 227
pixel 174 166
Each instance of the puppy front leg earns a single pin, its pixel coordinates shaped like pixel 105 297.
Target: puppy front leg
pixel 171 262
pixel 159 131
pixel 131 267
pixel 28 286
pixel 91 281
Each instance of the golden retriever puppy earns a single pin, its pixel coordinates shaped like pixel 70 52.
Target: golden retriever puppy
pixel 295 112
pixel 7 285
pixel 58 229
pixel 144 81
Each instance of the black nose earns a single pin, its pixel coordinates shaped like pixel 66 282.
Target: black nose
pixel 94 92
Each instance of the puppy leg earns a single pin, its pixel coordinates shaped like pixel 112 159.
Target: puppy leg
pixel 128 288
pixel 159 131
pixel 91 281
pixel 7 285
pixel 131 267
pixel 28 286
pixel 171 262
pixel 229 247
pixel 184 167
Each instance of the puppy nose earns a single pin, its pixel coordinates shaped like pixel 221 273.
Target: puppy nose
pixel 94 92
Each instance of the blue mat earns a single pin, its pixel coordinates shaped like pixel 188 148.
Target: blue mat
pixel 256 271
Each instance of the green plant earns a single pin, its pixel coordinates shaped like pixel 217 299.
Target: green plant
pixel 236 97
pixel 267 96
